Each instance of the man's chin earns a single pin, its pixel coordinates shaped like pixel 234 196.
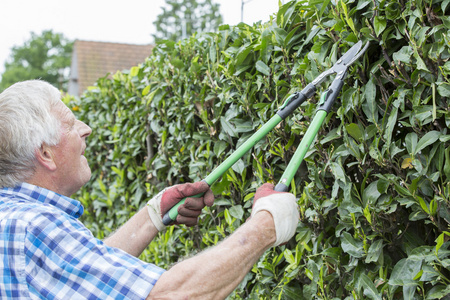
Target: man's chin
pixel 88 176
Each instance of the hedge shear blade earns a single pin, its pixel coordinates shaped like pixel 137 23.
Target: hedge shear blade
pixel 324 107
pixel 291 103
pixel 343 63
pixel 339 68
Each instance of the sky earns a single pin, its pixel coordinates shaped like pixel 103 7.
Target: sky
pixel 118 21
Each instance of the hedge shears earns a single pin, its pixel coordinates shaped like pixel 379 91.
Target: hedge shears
pixel 325 104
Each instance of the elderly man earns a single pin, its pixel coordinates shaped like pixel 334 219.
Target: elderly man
pixel 46 253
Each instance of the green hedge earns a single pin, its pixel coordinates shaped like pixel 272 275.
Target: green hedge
pixel 374 189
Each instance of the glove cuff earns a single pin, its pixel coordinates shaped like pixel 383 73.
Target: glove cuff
pixel 284 210
pixel 154 211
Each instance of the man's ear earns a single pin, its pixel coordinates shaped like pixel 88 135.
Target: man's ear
pixel 45 157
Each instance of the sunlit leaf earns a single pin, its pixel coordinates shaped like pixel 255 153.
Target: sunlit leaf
pixel 407 163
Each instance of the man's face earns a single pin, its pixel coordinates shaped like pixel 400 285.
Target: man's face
pixel 72 169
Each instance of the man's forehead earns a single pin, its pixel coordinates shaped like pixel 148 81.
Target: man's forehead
pixel 63 111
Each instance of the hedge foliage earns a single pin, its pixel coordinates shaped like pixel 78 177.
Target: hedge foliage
pixel 374 189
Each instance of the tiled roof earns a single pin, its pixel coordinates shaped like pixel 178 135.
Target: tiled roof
pixel 93 60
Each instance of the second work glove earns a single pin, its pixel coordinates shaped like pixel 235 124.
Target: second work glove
pixel 282 206
pixel 187 212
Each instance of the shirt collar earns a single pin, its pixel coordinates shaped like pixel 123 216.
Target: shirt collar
pixel 35 193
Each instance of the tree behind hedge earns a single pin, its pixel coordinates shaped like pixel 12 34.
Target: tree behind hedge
pixel 181 18
pixel 373 191
pixel 43 56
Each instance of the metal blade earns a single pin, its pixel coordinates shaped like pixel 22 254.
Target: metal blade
pixel 349 55
pixel 359 54
pixel 346 60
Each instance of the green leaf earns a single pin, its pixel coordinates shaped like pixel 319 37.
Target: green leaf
pixel 351 246
pixel 418 275
pixel 134 71
pixel 440 241
pixel 423 205
pixel 354 131
pixel 438 292
pixel 239 166
pixel 420 63
pixel 219 147
pixel 309 274
pixel 379 24
pixel 428 139
pixel 370 105
pixel 333 134
pixel 368 214
pixel 237 212
pixel 263 68
pixel 324 6
pixel 403 55
pixel 243 126
pixel 362 4
pixel 146 90
pixel 411 142
pixel 243 52
pixel 444 4
pixel 212 53
pixel 280 36
pixel 382 185
pixel 289 256
pixel 228 217
pixel 371 194
pixel 375 251
pixel 404 272
pixel 312 33
pixel 447 163
pixel 348 19
pixel 178 63
pixel 227 127
pixel 369 288
pixel 338 171
pixel 392 122
pixel 443 89
pixel 292 292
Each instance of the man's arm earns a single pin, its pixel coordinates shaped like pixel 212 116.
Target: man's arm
pixel 135 235
pixel 215 273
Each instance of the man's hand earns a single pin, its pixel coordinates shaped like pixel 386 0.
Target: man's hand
pixel 282 206
pixel 187 212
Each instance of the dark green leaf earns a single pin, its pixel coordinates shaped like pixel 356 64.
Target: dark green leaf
pixel 351 246
pixel 375 251
pixel 379 24
pixel 371 194
pixel 369 288
pixel 404 272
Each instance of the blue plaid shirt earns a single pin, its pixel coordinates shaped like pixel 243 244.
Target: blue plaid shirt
pixel 46 253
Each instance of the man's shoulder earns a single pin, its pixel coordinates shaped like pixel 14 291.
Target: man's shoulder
pixel 28 212
pixel 14 203
pixel 35 220
pixel 26 195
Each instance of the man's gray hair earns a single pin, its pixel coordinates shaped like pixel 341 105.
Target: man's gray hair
pixel 26 123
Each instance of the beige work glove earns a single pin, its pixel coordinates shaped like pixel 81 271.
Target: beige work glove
pixel 282 206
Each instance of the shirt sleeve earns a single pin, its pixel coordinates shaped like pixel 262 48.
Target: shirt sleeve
pixel 64 261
